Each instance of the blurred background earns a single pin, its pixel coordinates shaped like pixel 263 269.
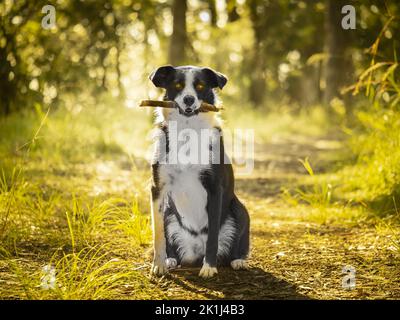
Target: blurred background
pixel 274 52
pixel 323 102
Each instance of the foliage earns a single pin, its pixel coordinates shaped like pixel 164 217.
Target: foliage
pixel 376 141
pixel 100 46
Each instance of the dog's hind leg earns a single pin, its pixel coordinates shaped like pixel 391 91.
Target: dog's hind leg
pixel 240 247
pixel 172 258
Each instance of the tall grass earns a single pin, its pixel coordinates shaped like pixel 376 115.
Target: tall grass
pixel 12 185
pixel 318 192
pixel 112 216
pixel 91 273
pixel 375 179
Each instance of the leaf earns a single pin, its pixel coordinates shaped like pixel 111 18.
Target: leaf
pixel 373 68
pixel 368 72
pixel 316 58
pixel 306 164
pixel 390 71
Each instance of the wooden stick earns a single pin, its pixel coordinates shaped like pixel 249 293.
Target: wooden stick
pixel 156 103
pixel 205 107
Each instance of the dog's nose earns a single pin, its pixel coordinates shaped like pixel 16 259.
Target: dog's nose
pixel 188 100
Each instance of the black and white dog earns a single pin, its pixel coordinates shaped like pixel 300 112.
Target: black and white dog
pixel 197 219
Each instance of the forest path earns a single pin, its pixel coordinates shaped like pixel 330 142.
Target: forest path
pixel 293 257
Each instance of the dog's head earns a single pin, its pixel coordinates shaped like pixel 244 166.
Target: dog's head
pixel 188 86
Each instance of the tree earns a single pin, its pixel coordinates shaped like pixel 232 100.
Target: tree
pixel 231 8
pixel 338 69
pixel 257 88
pixel 178 40
pixel 82 52
pixel 13 68
pixel 212 6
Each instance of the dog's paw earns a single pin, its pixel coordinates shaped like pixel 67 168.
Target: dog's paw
pixel 207 271
pixel 171 263
pixel 239 264
pixel 159 267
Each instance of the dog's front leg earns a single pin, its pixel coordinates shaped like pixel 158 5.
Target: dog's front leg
pixel 214 206
pixel 159 266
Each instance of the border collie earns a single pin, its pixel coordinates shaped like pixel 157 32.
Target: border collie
pixel 196 217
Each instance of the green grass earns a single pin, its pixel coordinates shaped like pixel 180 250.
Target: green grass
pixel 374 179
pixel 320 195
pixel 74 195
pixel 91 273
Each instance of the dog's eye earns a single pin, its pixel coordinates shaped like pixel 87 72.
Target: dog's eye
pixel 199 86
pixel 178 86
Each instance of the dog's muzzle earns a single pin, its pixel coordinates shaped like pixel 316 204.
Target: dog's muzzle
pixel 189 107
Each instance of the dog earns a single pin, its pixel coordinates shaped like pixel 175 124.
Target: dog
pixel 197 219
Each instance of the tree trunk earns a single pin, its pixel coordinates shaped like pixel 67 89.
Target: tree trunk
pixel 257 77
pixel 337 66
pixel 258 60
pixel 232 10
pixel 121 89
pixel 213 12
pixel 178 40
pixel 8 91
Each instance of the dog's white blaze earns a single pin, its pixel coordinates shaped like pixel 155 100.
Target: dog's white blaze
pixel 188 90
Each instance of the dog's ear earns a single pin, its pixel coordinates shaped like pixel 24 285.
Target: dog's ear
pixel 214 78
pixel 162 76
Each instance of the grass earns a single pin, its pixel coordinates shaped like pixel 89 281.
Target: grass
pixel 320 195
pixel 90 273
pixel 72 213
pixel 374 179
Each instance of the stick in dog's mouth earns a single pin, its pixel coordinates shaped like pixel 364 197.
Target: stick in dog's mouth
pixel 204 107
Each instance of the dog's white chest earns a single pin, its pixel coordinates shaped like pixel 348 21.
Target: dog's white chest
pixel 186 231
pixel 183 185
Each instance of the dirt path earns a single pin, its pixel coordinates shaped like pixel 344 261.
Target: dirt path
pixel 291 257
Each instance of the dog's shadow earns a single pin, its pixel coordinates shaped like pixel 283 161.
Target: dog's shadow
pixel 250 284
